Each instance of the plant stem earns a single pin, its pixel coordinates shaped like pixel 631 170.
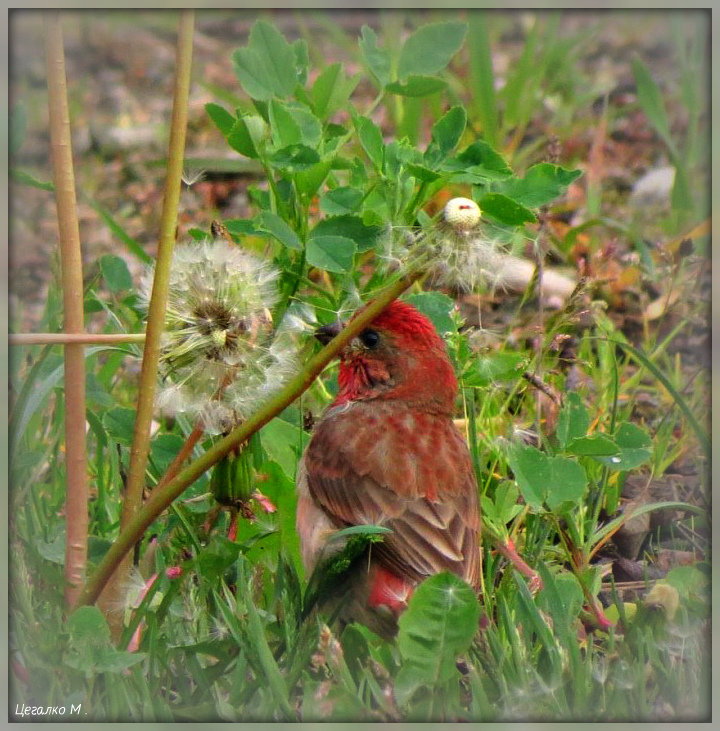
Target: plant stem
pixel 76 338
pixel 161 498
pixel 158 298
pixel 76 509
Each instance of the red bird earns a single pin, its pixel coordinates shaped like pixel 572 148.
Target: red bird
pixel 386 452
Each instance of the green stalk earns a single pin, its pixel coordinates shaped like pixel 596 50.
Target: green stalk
pixel 72 283
pixel 162 497
pixel 158 299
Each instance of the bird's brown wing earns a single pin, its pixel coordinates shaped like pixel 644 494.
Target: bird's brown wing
pixel 407 470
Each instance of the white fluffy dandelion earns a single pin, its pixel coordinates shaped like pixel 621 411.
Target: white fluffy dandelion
pixel 462 255
pixel 220 358
pixel 459 252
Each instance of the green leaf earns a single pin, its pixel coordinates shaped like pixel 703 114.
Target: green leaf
pixel 448 130
pixel 119 424
pixel 567 482
pixel 302 59
pixel 341 200
pixel 634 448
pixel 417 86
pixel 505 210
pixel 532 472
pixel 293 124
pixel 54 550
pixel 331 90
pixel 597 445
pixel 88 624
pixel 491 367
pixel 274 225
pixel 420 172
pixel 651 102
pixel 245 135
pixel 377 59
pixel 438 625
pixel 217 557
pixel 430 48
pixel 479 160
pixel 284 443
pixel 115 272
pixel 20 176
pixel 308 181
pixel 324 87
pixel 222 119
pixel 506 501
pixel 241 227
pixel 371 140
pixel 351 227
pixel 437 307
pixel 573 421
pixel 542 184
pixel 331 253
pixel 284 129
pixel 163 450
pixel 267 66
pixel 561 596
pixel 295 158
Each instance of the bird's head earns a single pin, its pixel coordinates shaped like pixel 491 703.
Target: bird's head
pixel 399 355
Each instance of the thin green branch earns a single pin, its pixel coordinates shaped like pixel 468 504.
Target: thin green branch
pixel 158 298
pixel 162 497
pixel 76 509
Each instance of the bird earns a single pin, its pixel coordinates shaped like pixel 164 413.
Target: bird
pixel 386 453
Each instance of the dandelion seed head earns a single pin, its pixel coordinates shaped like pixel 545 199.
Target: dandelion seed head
pixel 218 334
pixel 465 260
pixel 462 214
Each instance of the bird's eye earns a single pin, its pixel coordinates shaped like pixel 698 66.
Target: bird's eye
pixel 369 338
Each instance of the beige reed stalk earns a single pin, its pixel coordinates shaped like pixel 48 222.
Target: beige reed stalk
pixel 158 298
pixel 76 509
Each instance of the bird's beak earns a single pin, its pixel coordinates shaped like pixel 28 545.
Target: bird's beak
pixel 327 332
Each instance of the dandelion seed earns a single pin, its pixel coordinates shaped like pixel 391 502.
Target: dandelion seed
pixel 190 176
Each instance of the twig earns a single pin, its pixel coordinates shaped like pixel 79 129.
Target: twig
pixel 76 510
pixel 541 385
pixel 162 497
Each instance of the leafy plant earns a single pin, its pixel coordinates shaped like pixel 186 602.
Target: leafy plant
pixel 217 619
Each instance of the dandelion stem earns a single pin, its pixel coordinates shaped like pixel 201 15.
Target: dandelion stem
pixel 158 298
pixel 162 497
pixel 72 285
